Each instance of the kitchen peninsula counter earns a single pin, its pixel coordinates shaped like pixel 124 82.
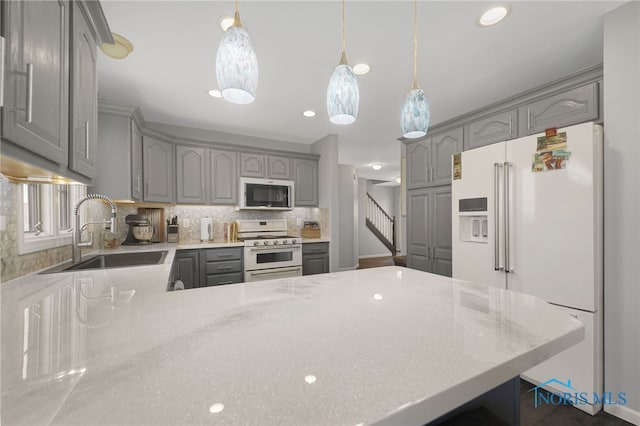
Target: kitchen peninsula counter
pixel 389 345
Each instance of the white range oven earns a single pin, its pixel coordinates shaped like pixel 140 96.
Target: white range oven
pixel 269 253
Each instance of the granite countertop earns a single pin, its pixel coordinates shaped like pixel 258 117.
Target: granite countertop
pixel 112 347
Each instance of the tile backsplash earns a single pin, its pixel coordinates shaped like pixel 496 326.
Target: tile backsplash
pixel 13 264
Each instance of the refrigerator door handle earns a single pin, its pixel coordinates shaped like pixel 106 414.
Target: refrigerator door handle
pixel 507 224
pixel 496 216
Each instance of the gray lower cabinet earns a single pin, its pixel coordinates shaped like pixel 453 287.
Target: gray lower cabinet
pixel 573 106
pixel 83 131
pixel 429 245
pixel 429 160
pixel 36 104
pixel 220 266
pixel 252 165
pixel 224 177
pixel 191 166
pixel 278 167
pixel 495 128
pixel 157 170
pixel 315 258
pixel 188 268
pixel 305 177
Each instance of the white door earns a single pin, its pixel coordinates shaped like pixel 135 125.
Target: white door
pixel 476 235
pixel 556 221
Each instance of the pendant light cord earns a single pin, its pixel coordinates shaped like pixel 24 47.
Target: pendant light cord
pixel 415 44
pixel 236 17
pixel 344 44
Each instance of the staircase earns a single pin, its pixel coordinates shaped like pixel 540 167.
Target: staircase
pixel 381 224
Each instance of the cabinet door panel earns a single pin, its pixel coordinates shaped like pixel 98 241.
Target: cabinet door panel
pixel 564 109
pixel 191 177
pixel 315 264
pixel 496 128
pixel 442 148
pixel 84 95
pixel 252 165
pixel 36 110
pixel 305 176
pixel 188 268
pixel 418 163
pixel 279 167
pixel 441 230
pixel 418 242
pixel 157 170
pixel 224 177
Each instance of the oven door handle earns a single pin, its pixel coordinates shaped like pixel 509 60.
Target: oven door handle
pixel 274 271
pixel 274 248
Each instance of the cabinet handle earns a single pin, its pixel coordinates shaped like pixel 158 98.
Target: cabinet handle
pixel 146 189
pixel 428 253
pixel 529 120
pixel 510 125
pixel 138 183
pixel 29 93
pixel 225 268
pixel 86 140
pixel 1 71
pixel 225 255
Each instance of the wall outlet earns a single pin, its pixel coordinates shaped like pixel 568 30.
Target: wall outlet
pixel 299 221
pixel 186 223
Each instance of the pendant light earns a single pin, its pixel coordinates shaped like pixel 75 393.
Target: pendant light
pixel 415 111
pixel 236 64
pixel 343 96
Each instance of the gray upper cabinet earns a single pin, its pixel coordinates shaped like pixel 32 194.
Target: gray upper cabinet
pixel 305 177
pixel 443 146
pixel 429 245
pixel 252 165
pixel 36 109
pixel 279 167
pixel 136 161
pixel 84 94
pixel 563 109
pixel 224 177
pixel 191 165
pixel 495 128
pixel 429 160
pixel 118 154
pixel 157 170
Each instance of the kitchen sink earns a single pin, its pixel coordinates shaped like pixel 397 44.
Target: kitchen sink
pixel 112 260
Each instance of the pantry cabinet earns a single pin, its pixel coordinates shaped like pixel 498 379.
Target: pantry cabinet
pixel 429 160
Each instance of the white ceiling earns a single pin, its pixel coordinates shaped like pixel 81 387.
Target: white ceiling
pixel 461 66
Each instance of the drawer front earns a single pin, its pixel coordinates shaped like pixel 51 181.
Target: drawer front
pixel 224 267
pixel 221 279
pixel 223 254
pixel 315 248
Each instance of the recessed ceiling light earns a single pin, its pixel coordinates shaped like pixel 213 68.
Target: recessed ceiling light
pixel 361 69
pixel 224 22
pixel 376 166
pixel 493 16
pixel 216 408
pixel 309 113
pixel 215 93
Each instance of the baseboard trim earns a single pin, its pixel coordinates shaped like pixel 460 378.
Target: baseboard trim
pixel 625 413
pixel 370 256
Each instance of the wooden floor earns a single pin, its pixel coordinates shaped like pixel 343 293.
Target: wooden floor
pixel 375 262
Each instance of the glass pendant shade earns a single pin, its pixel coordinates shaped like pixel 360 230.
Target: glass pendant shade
pixel 415 114
pixel 237 66
pixel 343 96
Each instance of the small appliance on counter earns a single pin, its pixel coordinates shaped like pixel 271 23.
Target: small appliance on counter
pixel 206 229
pixel 140 230
pixel 310 230
pixel 173 234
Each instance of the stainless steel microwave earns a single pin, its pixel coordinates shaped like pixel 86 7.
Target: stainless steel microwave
pixel 267 194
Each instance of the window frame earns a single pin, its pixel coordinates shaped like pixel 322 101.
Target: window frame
pixel 51 236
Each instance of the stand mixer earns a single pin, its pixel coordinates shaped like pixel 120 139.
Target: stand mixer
pixel 140 230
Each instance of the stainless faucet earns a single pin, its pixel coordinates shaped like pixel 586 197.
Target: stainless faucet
pixel 76 241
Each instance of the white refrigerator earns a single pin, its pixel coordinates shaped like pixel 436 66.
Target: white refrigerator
pixel 529 219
